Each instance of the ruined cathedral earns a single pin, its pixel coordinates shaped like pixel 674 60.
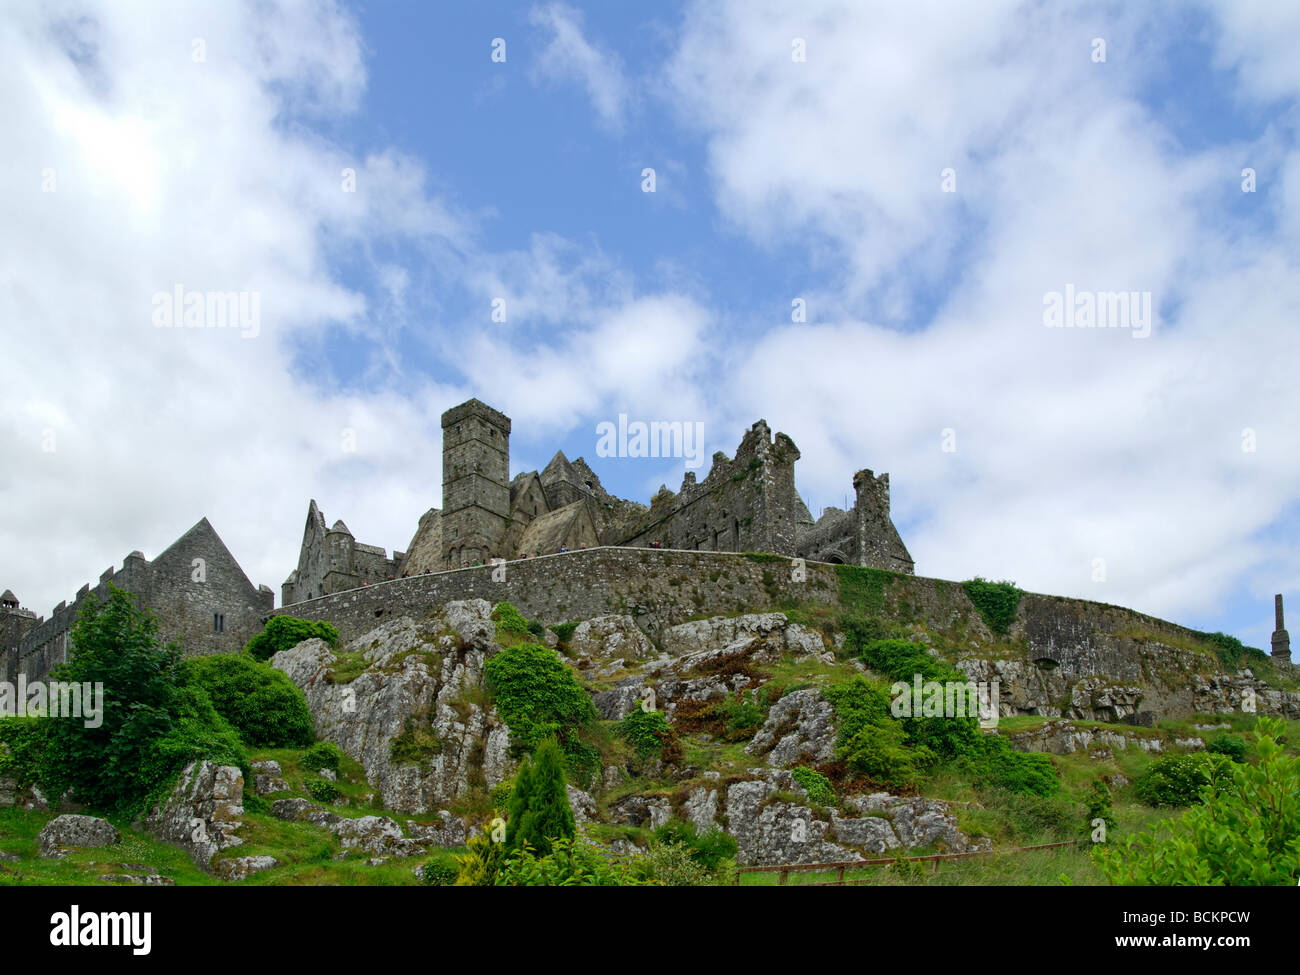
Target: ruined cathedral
pixel 747 503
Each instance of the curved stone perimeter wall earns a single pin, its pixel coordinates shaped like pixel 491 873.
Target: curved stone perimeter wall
pixel 662 587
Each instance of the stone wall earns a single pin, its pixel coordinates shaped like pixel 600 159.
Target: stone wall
pixel 195 579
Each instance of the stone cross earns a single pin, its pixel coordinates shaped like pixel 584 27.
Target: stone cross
pixel 1281 639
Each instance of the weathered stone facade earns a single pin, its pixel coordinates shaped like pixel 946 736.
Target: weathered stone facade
pixel 202 598
pixel 746 504
pixel 331 560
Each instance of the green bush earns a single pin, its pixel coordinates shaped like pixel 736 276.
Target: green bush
pixel 285 633
pixel 265 707
pixel 1178 780
pixel 710 849
pixel 539 802
pixel 1098 813
pixel 672 865
pixel 538 696
pixel 153 722
pixel 1246 833
pixel 323 790
pixel 648 732
pixel 871 743
pixel 1233 654
pixel 509 620
pixel 323 754
pixel 568 863
pixel 564 631
pixel 1234 746
pixel 816 785
pixel 996 602
pixel 991 761
pixel 439 873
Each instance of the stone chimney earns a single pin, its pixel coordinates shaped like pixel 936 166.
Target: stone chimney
pixel 1281 640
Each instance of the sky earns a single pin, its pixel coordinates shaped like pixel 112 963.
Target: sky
pixel 849 219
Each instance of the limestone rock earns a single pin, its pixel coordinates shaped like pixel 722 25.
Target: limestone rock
pixel 240 868
pixel 202 812
pixel 375 835
pixel 800 727
pixel 583 805
pixel 76 832
pixel 610 637
pixel 419 673
pixel 266 785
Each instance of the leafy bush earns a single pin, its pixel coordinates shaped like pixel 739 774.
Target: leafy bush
pixel 323 790
pixel 816 785
pixel 438 873
pixel 672 865
pixel 871 743
pixel 569 863
pixel 539 802
pixel 992 762
pixel 1246 833
pixel 996 602
pixel 323 754
pixel 537 696
pixel 509 620
pixel 1098 811
pixel 1234 746
pixel 648 732
pixel 710 849
pixel 482 861
pixel 1178 780
pixel 285 633
pixel 564 631
pixel 1234 654
pixel 153 723
pixel 265 707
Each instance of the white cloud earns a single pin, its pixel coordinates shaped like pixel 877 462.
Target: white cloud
pixel 569 56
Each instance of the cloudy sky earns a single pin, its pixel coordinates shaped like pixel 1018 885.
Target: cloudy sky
pixel 919 178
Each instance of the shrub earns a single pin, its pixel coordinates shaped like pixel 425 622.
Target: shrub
pixel 1178 780
pixel 1233 746
pixel 323 790
pixel 537 696
pixel 870 742
pixel 285 633
pixel 265 707
pixel 1232 653
pixel 153 723
pixel 569 863
pixel 509 620
pixel 816 785
pixel 648 732
pixel 1099 814
pixel 539 802
pixel 996 602
pixel 438 873
pixel 992 762
pixel 564 631
pixel 323 754
pixel 482 861
pixel 672 865
pixel 710 849
pixel 1246 833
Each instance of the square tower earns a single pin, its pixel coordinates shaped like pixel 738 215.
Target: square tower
pixel 475 482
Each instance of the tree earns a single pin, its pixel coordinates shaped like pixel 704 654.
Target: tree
pixel 153 722
pixel 539 804
pixel 1245 832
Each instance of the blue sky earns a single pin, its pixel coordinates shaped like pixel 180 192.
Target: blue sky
pixel 776 179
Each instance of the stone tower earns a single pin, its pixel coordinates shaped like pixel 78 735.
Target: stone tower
pixel 475 482
pixel 1281 639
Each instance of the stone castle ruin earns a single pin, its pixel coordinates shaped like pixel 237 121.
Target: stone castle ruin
pixel 746 504
pixel 202 598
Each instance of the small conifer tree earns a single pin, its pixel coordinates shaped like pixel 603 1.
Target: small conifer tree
pixel 539 804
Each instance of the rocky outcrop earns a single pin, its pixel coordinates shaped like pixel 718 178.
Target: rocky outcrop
pixel 608 638
pixel 799 728
pixel 773 634
pixel 420 677
pixel 1065 737
pixel 241 868
pixel 202 812
pixel 76 832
